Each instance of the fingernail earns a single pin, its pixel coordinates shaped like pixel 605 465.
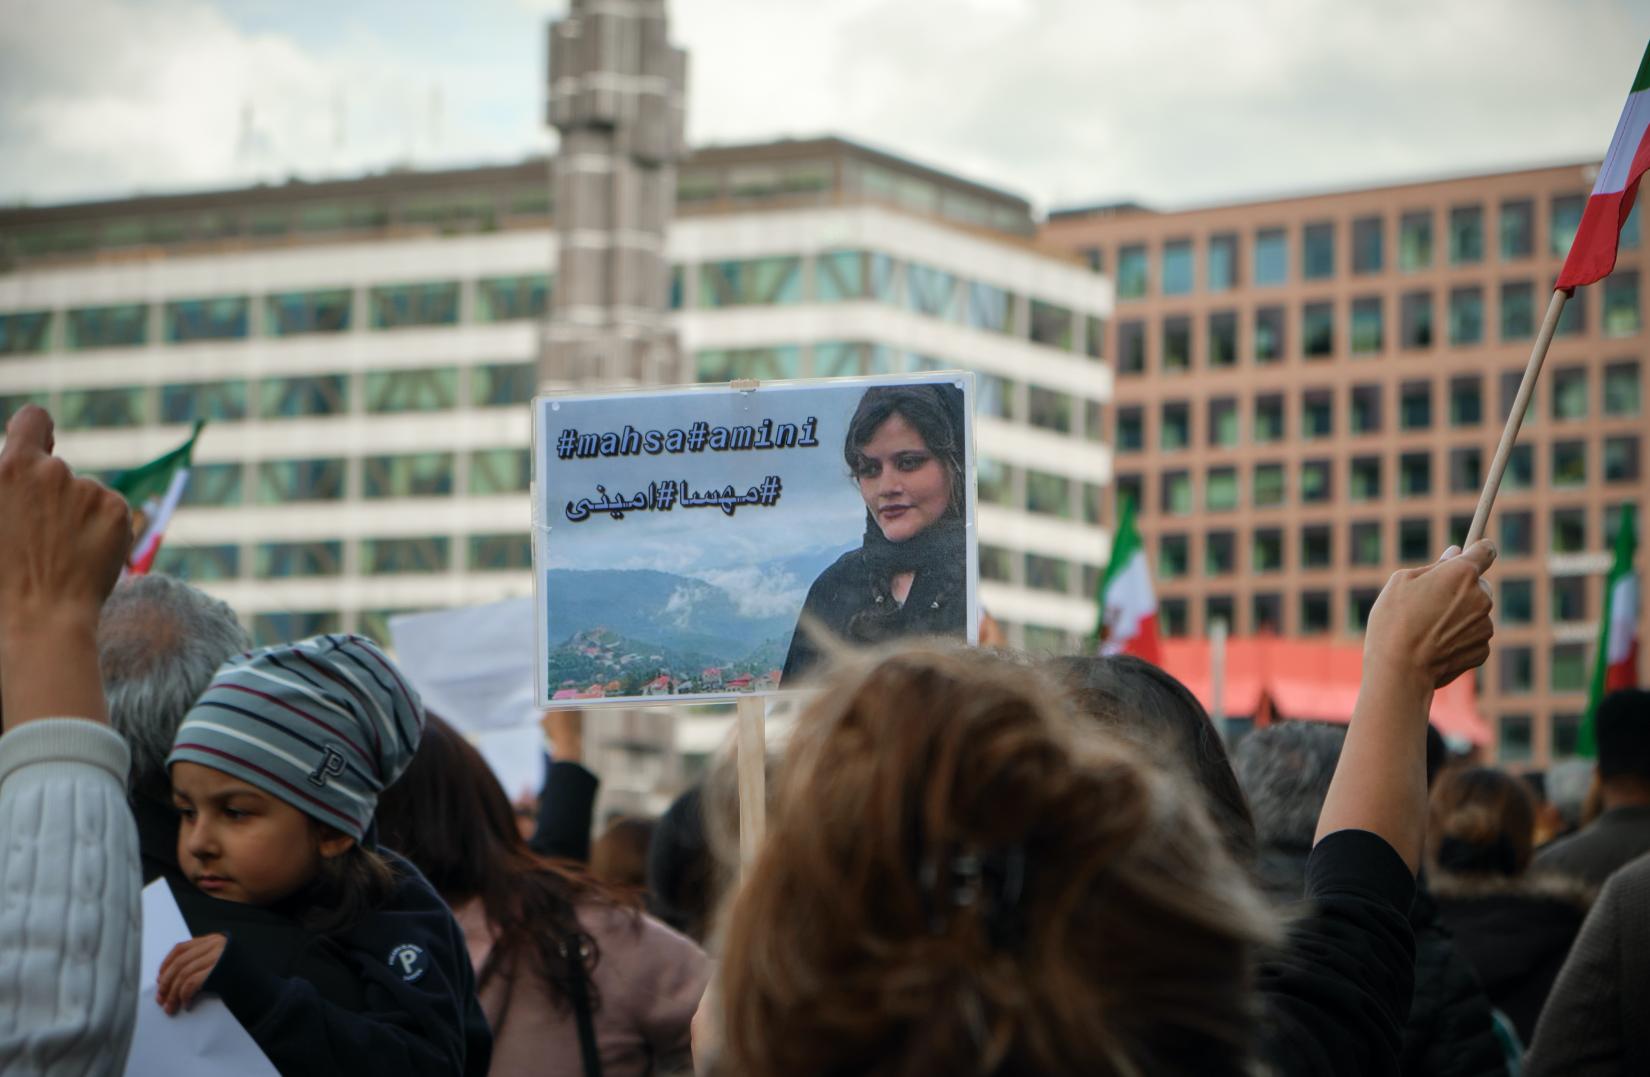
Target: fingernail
pixel 1449 552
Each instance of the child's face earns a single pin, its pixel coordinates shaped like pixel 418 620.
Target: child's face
pixel 238 843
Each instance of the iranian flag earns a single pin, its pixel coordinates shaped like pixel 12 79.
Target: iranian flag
pixel 153 491
pixel 1128 606
pixel 1616 661
pixel 1593 252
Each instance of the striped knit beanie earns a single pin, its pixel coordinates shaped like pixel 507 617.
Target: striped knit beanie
pixel 325 724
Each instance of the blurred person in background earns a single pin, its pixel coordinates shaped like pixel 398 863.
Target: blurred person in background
pixel 1622 832
pixel 1569 781
pixel 571 974
pixel 1515 926
pixel 567 801
pixel 1285 771
pixel 619 856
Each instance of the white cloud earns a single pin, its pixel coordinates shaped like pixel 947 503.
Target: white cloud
pixel 760 593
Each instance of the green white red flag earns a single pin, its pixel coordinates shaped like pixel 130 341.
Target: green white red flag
pixel 1593 252
pixel 1616 661
pixel 153 492
pixel 1128 605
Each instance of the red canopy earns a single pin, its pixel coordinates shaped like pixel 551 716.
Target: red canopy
pixel 1269 678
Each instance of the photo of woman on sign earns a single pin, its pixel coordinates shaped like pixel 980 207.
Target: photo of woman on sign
pixel 905 450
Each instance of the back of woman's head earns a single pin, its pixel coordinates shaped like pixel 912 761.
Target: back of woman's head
pixel 1483 822
pixel 1150 709
pixel 619 856
pixel 958 879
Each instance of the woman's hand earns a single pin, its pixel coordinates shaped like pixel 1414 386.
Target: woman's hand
pixel 186 969
pixel 1433 623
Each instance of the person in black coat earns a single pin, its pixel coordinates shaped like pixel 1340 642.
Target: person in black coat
pixel 905 450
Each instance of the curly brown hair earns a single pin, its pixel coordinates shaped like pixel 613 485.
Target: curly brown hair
pixel 960 878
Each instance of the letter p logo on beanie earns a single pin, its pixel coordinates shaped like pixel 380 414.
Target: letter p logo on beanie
pixel 325 724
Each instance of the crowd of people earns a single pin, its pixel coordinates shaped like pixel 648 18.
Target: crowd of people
pixel 975 862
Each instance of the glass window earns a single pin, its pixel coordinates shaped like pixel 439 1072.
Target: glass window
pixel 1365 478
pixel 1133 271
pixel 1569 530
pixel 1515 739
pixel 1415 240
pixel 1517 310
pixel 1415 405
pixel 1223 262
pixel 1466 400
pixel 1049 409
pixel 1314 619
pixel 297 313
pixel 1223 339
pixel 839 276
pixel 762 364
pixel 1570 393
pixel 272 628
pixel 1621 388
pixel 199 564
pixel 1414 474
pixel 1269 485
pixel 1175 494
pixel 214 485
pixel 1569 667
pixel 1223 422
pixel 1569 463
pixel 1094 335
pixel 1368 333
pixel 1466 315
pixel 1573 321
pixel 1466 470
pixel 1266 550
pixel 1621 303
pixel 1173 561
pixel 103 409
pixel 1221 491
pixel 402 305
pixel 280 560
pixel 396 556
pixel 497 385
pixel 1415 314
pixel 392 391
pixel 1517 534
pixel 1317 546
pixel 286 398
pixel 1218 609
pixel 1051 325
pixel 1367 245
pixel 1365 539
pixel 1612 523
pixel 995 396
pixel 1359 602
pixel 1177 344
pixel 1565 730
pixel 1466 235
pixel 1266 613
pixel 1048 494
pixel 1219 553
pixel 996 563
pixel 1131 429
pixel 1457 527
pixel 1415 541
pixel 1365 411
pixel 1569 598
pixel 1318 330
pixel 1517 605
pixel 1271 256
pixel 1517 672
pixel 215 401
pixel 508 299
pixel 1269 335
pixel 1517 229
pixel 995 481
pixel 281 481
pixel 1177 267
pixel 225 318
pixel 12 403
pixel 754 282
pixel 499 471
pixel 1318 250
pixel 1316 486
pixel 1093 497
pixel 933 292
pixel 1131 348
pixel 125 326
pixel 1621 459
pixel 25 333
pixel 844 358
pixel 885 277
pixel 1566 218
pixel 1175 430
pixel 426 474
pixel 1047 573
pixel 1510 381
pixel 1268 425
pixel 1317 413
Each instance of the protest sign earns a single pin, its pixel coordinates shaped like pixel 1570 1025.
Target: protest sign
pixel 681 535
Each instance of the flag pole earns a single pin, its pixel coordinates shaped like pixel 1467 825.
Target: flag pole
pixel 1515 419
pixel 752 759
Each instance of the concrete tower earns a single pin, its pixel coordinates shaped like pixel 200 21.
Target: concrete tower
pixel 616 97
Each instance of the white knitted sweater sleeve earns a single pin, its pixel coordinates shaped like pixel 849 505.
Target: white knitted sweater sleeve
pixel 70 886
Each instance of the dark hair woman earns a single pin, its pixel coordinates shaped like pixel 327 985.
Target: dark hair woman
pixel 545 938
pixel 905 451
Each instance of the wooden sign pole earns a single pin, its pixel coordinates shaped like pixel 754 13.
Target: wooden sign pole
pixel 1509 435
pixel 753 777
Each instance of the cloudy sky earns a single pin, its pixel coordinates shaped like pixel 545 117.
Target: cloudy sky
pixel 1175 102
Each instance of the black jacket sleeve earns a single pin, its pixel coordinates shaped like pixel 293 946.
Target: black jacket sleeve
pixel 1336 996
pixel 421 1015
pixel 566 805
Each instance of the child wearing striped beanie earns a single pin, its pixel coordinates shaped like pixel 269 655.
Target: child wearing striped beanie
pixel 276 772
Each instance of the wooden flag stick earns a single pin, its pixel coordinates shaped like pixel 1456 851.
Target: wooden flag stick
pixel 1515 419
pixel 753 777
